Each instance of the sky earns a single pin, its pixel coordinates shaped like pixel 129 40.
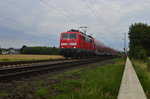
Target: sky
pixel 40 22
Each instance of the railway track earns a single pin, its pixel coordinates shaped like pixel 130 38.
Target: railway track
pixel 15 73
pixel 5 64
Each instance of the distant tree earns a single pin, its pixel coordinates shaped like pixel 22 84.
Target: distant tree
pixel 24 46
pixel 40 50
pixel 139 35
pixel 0 50
pixel 23 49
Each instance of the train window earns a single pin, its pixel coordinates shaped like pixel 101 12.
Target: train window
pixel 91 41
pixel 72 36
pixel 65 36
pixel 83 38
pixel 88 40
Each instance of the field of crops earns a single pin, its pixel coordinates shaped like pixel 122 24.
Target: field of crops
pixel 23 57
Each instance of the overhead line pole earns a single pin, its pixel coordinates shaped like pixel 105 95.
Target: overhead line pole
pixel 124 39
pixel 125 49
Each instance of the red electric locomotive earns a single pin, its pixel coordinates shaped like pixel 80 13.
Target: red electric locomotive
pixel 75 43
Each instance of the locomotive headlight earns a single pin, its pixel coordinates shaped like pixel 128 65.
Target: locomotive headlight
pixel 63 43
pixel 73 43
pixel 74 47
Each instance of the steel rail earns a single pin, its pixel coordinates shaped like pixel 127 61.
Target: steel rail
pixel 28 62
pixel 9 74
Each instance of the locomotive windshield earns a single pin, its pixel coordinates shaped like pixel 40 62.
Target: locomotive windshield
pixel 65 36
pixel 69 36
pixel 72 36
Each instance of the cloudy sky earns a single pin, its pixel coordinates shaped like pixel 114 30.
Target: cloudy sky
pixel 40 22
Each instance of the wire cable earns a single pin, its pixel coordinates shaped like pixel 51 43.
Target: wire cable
pixel 68 13
pixel 62 13
pixel 86 3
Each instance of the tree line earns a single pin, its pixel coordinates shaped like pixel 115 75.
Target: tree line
pixel 39 50
pixel 0 50
pixel 139 45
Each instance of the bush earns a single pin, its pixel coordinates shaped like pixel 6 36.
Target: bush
pixel 43 92
pixel 148 66
pixel 142 55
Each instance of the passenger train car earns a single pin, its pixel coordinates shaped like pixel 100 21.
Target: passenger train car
pixel 75 43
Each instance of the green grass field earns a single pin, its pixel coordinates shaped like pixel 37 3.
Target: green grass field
pixel 143 75
pixel 96 81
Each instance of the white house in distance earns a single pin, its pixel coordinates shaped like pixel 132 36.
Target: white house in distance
pixel 10 51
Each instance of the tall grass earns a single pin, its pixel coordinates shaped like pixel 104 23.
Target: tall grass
pixel 143 75
pixel 98 83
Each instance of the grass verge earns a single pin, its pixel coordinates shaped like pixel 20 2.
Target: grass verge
pixel 143 75
pixel 96 81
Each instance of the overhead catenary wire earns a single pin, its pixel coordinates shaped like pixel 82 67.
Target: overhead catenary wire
pixel 59 11
pixel 33 28
pixel 119 36
pixel 68 16
pixel 65 10
pixel 97 17
pixel 25 27
pixel 92 11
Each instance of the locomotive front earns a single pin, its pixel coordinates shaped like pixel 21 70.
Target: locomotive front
pixel 69 44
